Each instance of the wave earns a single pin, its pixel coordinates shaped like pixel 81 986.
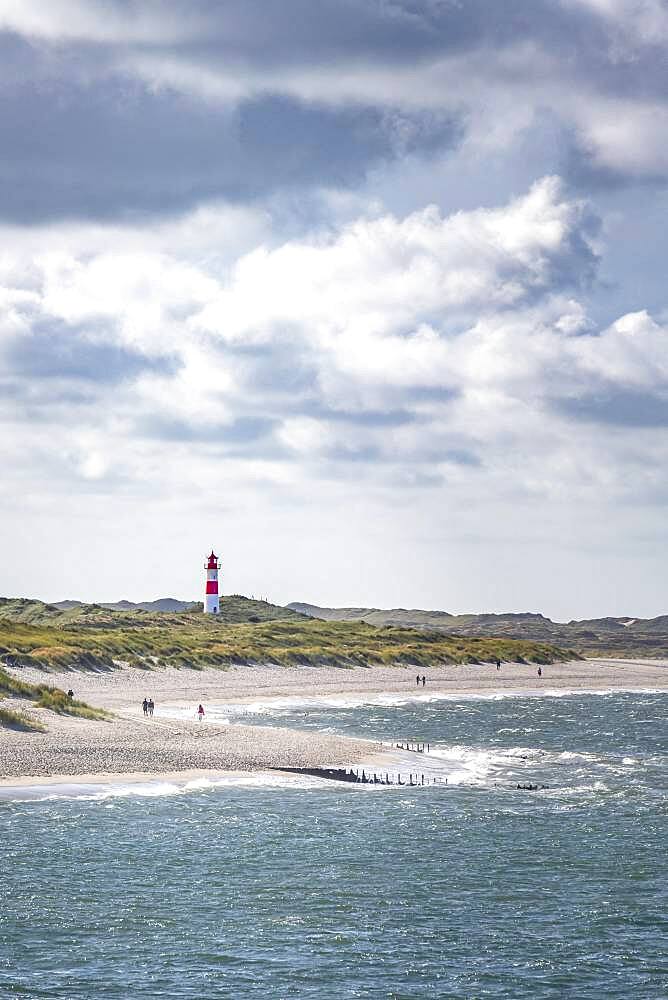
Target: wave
pixel 456 764
pixel 459 764
pixel 221 713
pixel 156 787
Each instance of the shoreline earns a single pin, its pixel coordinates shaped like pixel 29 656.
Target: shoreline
pixel 113 778
pixel 343 699
pixel 122 689
pixel 130 747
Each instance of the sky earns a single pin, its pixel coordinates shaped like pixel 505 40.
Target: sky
pixel 367 295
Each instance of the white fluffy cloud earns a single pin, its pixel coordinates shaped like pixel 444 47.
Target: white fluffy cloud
pixel 396 381
pixel 403 351
pixel 386 273
pixel 264 333
pixel 95 21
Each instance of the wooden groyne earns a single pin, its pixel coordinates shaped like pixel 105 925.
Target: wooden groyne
pixel 355 777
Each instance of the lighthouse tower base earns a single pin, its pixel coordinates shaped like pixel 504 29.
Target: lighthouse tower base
pixel 211 606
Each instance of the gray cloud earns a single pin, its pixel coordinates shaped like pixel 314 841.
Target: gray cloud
pixel 115 148
pixel 55 350
pixel 34 403
pixel 302 32
pixel 361 417
pixel 242 431
pixel 617 407
pixel 287 32
pixel 586 174
pixel 87 132
pixel 354 453
pixel 461 456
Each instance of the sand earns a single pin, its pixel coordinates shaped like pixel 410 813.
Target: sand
pixel 173 741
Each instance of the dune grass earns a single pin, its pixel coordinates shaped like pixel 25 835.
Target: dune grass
pixel 19 720
pixel 197 641
pixel 45 696
pixel 57 701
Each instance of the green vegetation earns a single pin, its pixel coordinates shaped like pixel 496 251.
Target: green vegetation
pixel 622 637
pixel 44 696
pixel 57 701
pixel 103 638
pixel 232 609
pixel 18 720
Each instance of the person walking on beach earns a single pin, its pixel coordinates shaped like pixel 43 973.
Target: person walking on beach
pixel 498 664
pixel 200 712
pixel 424 680
pixel 144 705
pixel 151 706
pixel 540 671
pixel 417 680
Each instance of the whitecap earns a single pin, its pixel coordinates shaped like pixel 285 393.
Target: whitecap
pixel 222 713
pixel 159 787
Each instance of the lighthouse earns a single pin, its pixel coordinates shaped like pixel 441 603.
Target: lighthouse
pixel 211 601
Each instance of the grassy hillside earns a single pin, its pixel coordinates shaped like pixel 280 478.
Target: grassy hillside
pixel 162 604
pixel 71 613
pixel 195 640
pixel 376 616
pixel 630 637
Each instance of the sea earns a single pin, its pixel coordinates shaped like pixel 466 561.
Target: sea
pixel 273 885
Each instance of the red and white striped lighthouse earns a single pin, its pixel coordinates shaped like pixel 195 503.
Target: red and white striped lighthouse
pixel 211 601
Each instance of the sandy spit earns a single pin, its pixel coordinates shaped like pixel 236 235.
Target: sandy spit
pixel 133 745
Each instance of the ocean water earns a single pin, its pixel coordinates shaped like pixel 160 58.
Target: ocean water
pixel 277 886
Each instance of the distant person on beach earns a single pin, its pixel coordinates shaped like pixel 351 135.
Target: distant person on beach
pixel 151 706
pixel 417 680
pixel 498 664
pixel 540 671
pixel 424 680
pixel 200 712
pixel 144 705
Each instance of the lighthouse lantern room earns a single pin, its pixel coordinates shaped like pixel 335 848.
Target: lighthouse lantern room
pixel 211 599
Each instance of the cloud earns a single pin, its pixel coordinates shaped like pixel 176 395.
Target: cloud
pixel 111 21
pixel 111 149
pixel 596 64
pixel 618 408
pixel 643 21
pixel 428 384
pixel 285 272
pixel 55 350
pixel 128 109
pixel 407 281
pixel 399 353
pixel 240 432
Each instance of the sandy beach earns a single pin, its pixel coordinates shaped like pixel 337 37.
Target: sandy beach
pixel 173 741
